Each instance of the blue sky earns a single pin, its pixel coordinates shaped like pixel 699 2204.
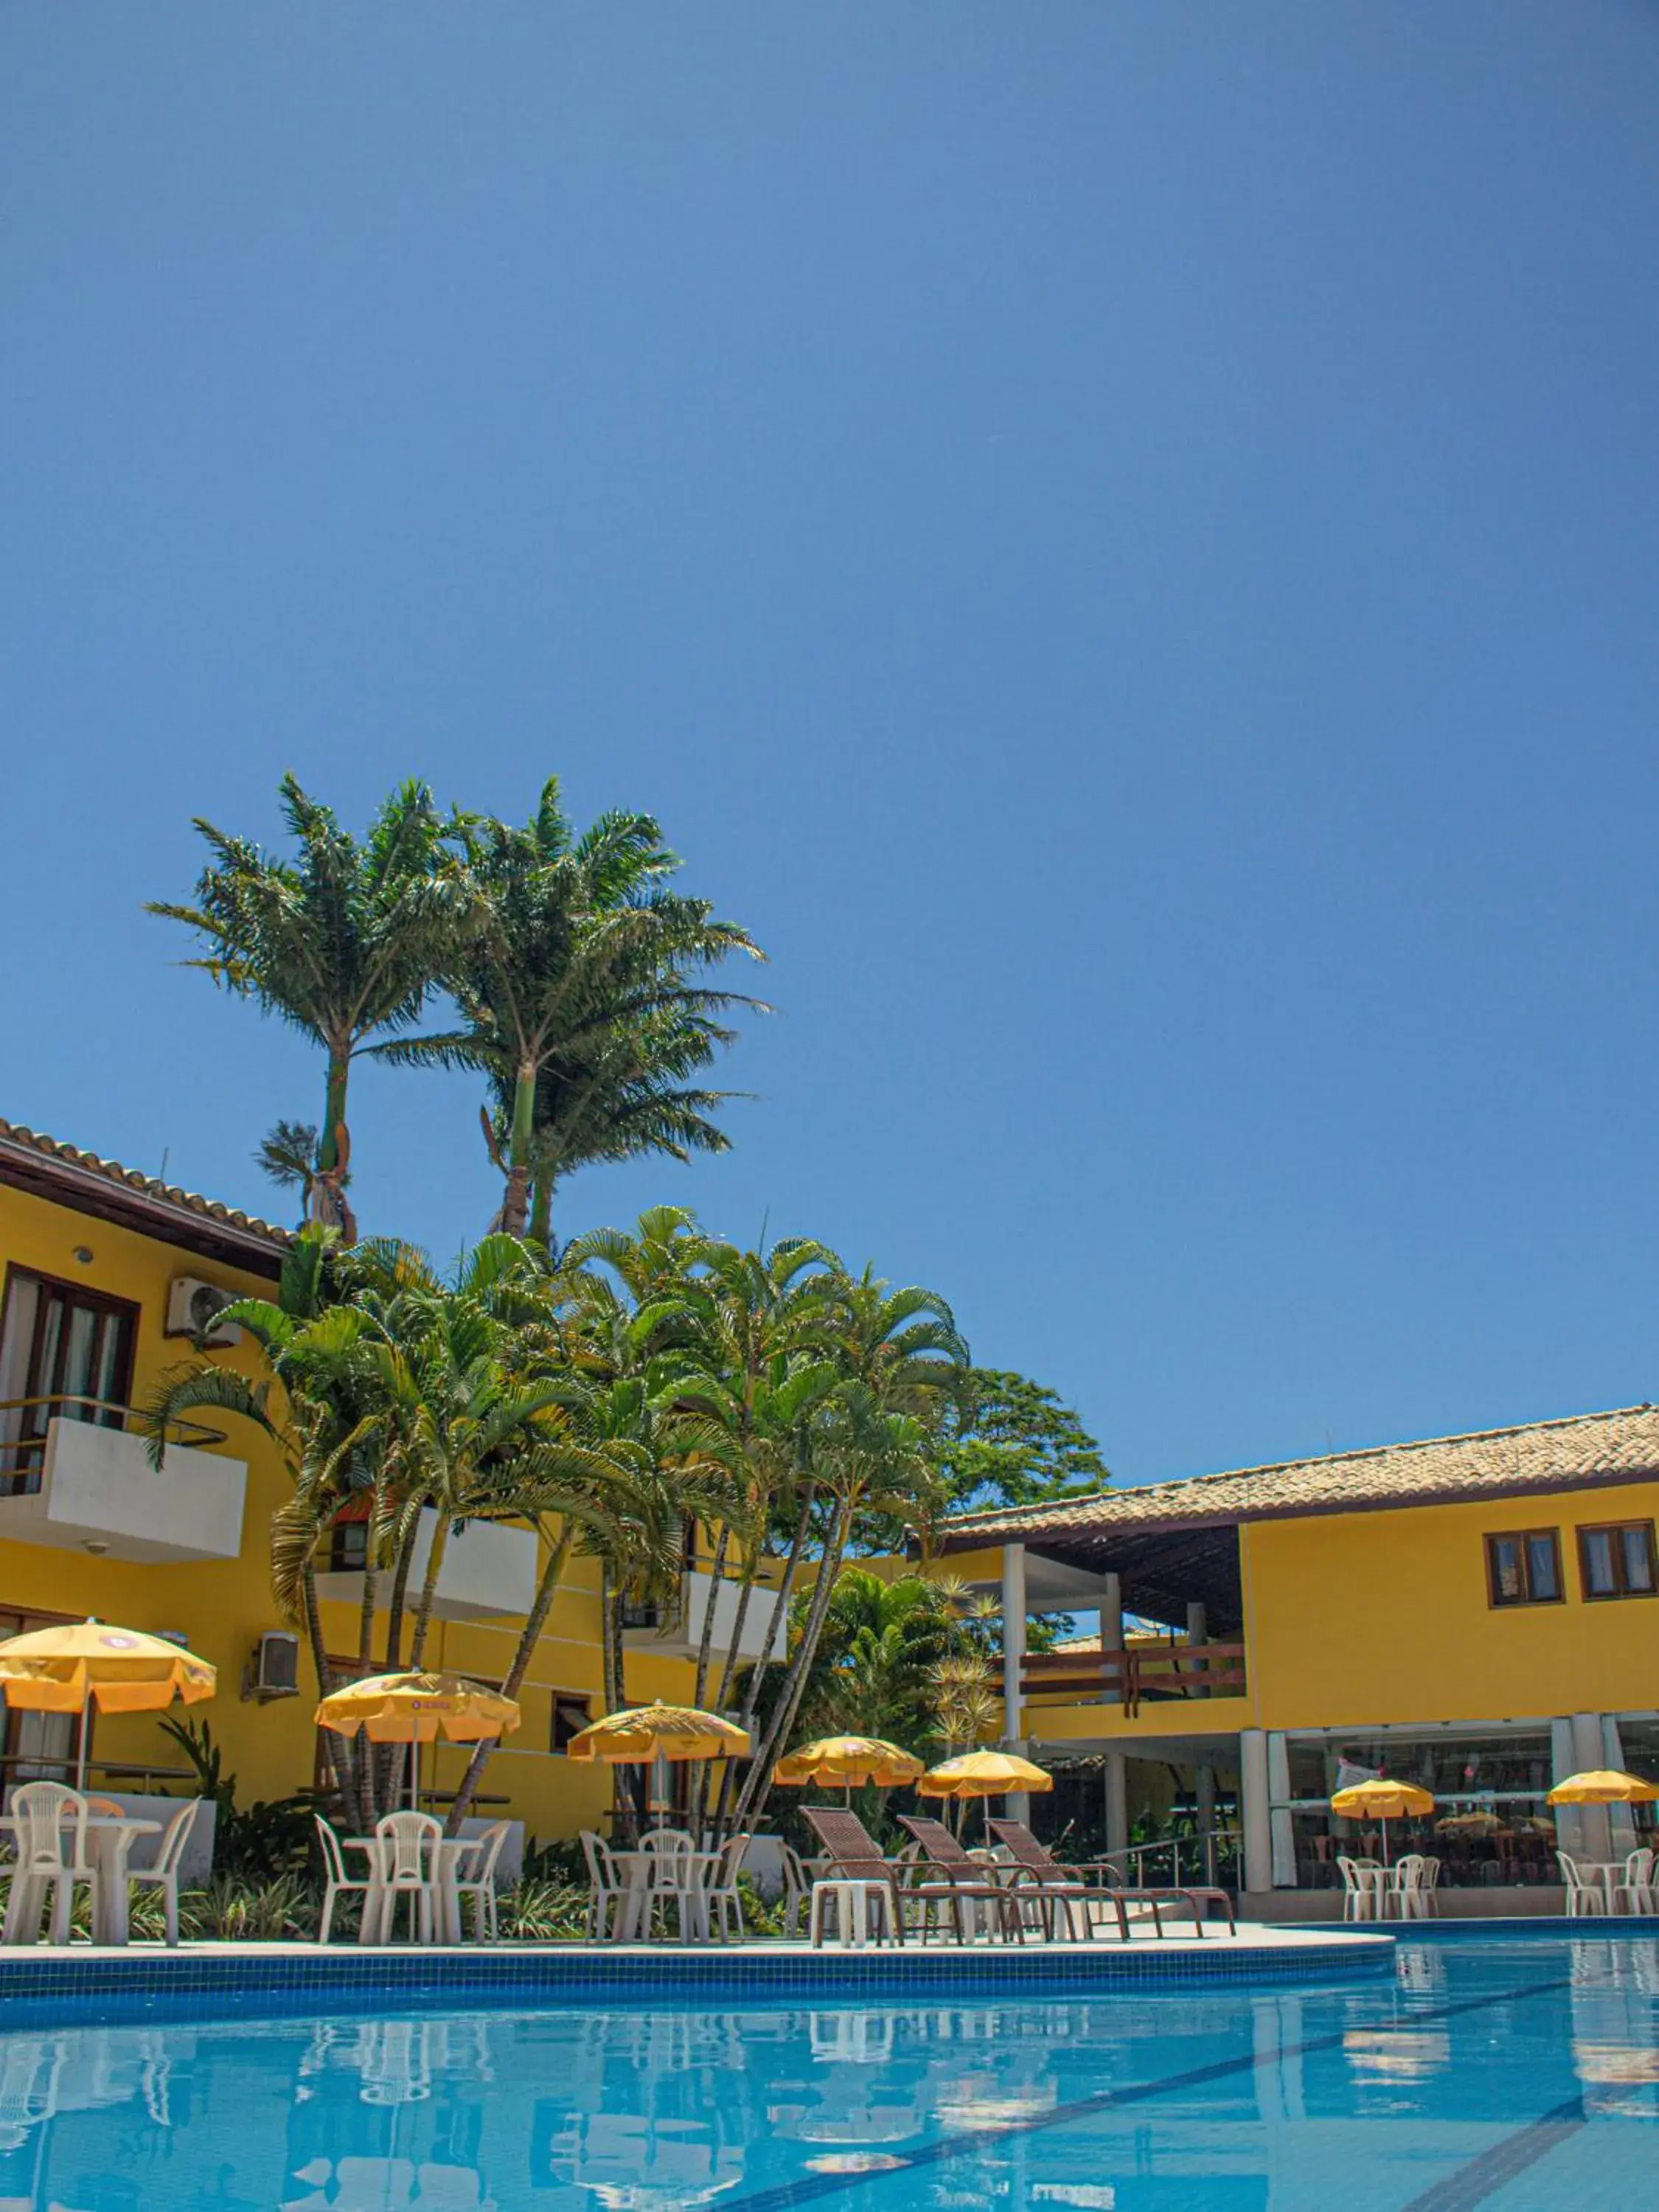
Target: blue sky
pixel 1119 541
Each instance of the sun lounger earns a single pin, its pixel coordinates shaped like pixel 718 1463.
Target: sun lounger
pixel 1025 1851
pixel 924 1897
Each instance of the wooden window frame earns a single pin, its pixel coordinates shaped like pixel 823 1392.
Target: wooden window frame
pixel 561 1698
pixel 1615 1528
pixel 1522 1537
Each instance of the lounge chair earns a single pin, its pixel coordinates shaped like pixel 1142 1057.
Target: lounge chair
pixel 949 1856
pixel 1025 1851
pixel 923 1899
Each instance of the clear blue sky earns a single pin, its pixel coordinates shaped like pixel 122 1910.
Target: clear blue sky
pixel 1120 540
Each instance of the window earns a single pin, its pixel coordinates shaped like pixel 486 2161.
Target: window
pixel 65 1354
pixel 571 1714
pixel 347 1548
pixel 1617 1561
pixel 40 1746
pixel 1524 1568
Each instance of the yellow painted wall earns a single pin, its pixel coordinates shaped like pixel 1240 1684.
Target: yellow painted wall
pixel 223 1606
pixel 1373 1617
pixel 1366 1618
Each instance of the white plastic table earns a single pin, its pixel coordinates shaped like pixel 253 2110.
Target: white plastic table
pixel 1607 1874
pixel 379 1899
pixel 637 1867
pixel 853 1901
pixel 110 1837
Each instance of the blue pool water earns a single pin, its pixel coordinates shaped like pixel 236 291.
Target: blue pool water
pixel 1485 2073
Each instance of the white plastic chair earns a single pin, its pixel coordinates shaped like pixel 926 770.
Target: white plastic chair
pixel 797 1892
pixel 163 1872
pixel 1409 1888
pixel 1637 1886
pixel 606 1886
pixel 672 1877
pixel 1582 1897
pixel 337 1879
pixel 47 1818
pixel 1359 1898
pixel 411 1844
pixel 481 1887
pixel 722 1900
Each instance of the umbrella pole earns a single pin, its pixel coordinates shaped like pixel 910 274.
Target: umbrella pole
pixel 81 1757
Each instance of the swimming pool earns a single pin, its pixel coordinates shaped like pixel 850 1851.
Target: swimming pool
pixel 1513 2074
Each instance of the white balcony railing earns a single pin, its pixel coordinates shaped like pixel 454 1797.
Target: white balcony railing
pixel 488 1573
pixel 681 1637
pixel 82 1481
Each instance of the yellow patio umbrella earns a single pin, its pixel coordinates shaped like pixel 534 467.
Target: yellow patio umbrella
pixel 851 1761
pixel 417 1708
pixel 1603 1786
pixel 644 1734
pixel 658 1731
pixel 985 1774
pixel 1382 1800
pixel 81 1663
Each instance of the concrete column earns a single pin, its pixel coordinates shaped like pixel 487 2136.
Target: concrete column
pixel 1016 1806
pixel 1111 1613
pixel 1013 1645
pixel 1621 1819
pixel 1281 1821
pixel 1117 1805
pixel 1253 1806
pixel 1198 1632
pixel 1589 1752
pixel 1204 1804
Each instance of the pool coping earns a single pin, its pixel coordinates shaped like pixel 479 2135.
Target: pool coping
pixel 149 1980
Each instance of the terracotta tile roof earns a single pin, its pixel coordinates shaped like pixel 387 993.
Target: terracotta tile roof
pixel 1576 1452
pixel 71 1178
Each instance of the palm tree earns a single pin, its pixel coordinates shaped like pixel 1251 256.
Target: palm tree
pixel 315 1402
pixel 345 942
pixel 579 998
pixel 882 1641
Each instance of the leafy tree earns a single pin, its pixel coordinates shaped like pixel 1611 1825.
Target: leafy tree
pixel 1010 1442
pixel 345 942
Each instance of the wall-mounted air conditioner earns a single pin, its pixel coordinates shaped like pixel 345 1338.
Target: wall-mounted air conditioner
pixel 191 1305
pixel 274 1669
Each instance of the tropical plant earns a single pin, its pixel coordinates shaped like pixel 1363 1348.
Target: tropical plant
pixel 345 942
pixel 403 1396
pixel 257 1842
pixel 881 1645
pixel 580 999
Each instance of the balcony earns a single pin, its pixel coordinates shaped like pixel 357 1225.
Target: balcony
pixel 1141 1674
pixel 489 1571
pixel 75 1475
pixel 678 1635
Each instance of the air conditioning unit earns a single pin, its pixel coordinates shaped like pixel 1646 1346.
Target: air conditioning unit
pixel 274 1669
pixel 191 1306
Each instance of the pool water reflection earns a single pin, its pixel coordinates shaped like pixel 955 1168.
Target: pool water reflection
pixel 1514 2074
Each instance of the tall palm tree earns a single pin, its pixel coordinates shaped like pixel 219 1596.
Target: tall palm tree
pixel 344 941
pixel 316 1401
pixel 579 998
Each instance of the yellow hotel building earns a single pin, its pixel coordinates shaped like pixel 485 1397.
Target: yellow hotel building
pixel 1480 1613
pixel 98 1267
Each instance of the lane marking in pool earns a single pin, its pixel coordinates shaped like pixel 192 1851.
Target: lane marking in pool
pixel 1484 2176
pixel 813 2188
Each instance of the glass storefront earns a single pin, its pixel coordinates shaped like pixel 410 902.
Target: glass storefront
pixel 1491 1827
